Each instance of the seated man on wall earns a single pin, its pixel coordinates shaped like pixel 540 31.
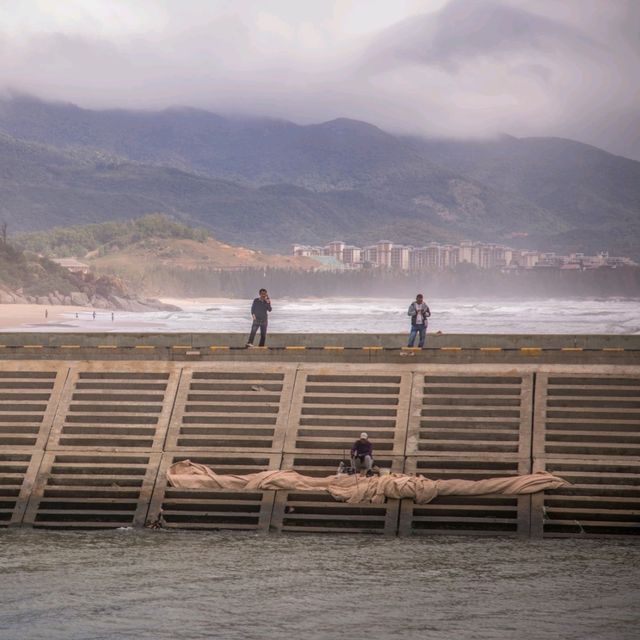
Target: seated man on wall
pixel 362 454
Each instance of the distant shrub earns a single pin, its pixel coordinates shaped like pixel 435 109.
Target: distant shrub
pixel 77 241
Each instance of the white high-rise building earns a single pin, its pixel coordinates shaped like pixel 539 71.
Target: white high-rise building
pixel 435 256
pixel 400 257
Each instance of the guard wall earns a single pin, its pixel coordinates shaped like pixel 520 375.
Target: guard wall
pixel 86 443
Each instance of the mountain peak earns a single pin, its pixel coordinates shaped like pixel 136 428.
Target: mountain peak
pixel 349 124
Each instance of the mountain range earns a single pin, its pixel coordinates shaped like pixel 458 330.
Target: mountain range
pixel 268 183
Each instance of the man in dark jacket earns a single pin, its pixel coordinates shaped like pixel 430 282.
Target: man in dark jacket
pixel 259 309
pixel 362 454
pixel 419 312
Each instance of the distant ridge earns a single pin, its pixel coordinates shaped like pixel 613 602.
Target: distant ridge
pixel 268 183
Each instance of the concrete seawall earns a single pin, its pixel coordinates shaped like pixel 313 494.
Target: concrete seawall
pixel 331 348
pixel 89 424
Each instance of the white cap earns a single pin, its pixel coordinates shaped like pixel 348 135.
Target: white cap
pixel 363 436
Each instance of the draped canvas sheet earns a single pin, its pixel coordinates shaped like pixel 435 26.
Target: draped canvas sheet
pixel 356 489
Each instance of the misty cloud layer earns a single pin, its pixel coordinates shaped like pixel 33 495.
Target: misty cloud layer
pixel 461 68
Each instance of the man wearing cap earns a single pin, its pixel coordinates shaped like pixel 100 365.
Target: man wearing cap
pixel 362 454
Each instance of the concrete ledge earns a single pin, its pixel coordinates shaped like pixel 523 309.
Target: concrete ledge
pixel 333 348
pixel 317 340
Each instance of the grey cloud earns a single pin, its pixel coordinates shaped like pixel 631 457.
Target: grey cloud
pixel 516 67
pixel 463 30
pixel 474 68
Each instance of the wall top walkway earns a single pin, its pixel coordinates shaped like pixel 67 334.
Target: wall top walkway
pixel 346 340
pixel 326 347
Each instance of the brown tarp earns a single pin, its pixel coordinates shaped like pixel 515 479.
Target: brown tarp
pixel 357 489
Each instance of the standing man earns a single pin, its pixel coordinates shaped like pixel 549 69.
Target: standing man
pixel 419 312
pixel 362 454
pixel 259 309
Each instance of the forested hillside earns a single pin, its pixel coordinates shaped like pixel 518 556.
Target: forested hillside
pixel 266 183
pixel 79 240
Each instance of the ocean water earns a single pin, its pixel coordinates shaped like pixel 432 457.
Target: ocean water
pixel 340 315
pixel 156 585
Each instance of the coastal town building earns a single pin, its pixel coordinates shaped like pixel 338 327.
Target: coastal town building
pixel 434 256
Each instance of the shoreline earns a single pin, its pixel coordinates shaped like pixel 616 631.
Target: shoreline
pixel 334 315
pixel 40 316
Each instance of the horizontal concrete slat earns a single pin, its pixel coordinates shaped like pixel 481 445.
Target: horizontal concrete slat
pixel 244 420
pixel 581 416
pixel 466 515
pixel 378 403
pixel 602 500
pixel 23 379
pixel 136 418
pixel 453 410
pixel 87 507
pixel 210 509
pixel 18 469
pixel 318 512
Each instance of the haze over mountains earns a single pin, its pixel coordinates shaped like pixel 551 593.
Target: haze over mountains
pixel 268 183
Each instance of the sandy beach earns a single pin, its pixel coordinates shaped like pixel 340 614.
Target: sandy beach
pixel 39 316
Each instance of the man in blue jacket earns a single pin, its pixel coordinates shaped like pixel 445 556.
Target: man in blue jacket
pixel 259 312
pixel 362 454
pixel 419 312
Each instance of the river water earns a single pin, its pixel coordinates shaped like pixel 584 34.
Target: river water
pixel 371 315
pixel 241 586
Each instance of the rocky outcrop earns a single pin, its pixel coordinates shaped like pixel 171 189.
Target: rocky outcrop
pixel 79 299
pixel 29 278
pixel 6 297
pixel 121 302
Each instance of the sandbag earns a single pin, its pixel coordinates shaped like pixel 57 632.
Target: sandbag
pixel 356 489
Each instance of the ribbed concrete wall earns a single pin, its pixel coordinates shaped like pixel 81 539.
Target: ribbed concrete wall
pixel 87 443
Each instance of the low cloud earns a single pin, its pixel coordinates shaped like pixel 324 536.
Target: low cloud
pixel 468 68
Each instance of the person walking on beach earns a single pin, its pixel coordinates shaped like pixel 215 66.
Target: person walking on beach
pixel 259 312
pixel 419 312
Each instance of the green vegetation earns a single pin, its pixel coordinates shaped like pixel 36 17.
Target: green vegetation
pixel 32 274
pixel 77 241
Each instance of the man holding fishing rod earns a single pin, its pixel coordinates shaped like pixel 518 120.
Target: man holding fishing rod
pixel 362 454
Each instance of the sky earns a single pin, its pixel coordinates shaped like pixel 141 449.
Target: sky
pixel 437 68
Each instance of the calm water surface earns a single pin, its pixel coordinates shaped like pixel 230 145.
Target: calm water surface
pixel 144 585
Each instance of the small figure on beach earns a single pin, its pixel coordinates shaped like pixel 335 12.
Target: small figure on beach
pixel 46 313
pixel 260 313
pixel 362 454
pixel 112 317
pixel 419 312
pixel 94 315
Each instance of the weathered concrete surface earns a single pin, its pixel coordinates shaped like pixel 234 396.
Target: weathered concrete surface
pixel 347 340
pixel 86 433
pixel 362 348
